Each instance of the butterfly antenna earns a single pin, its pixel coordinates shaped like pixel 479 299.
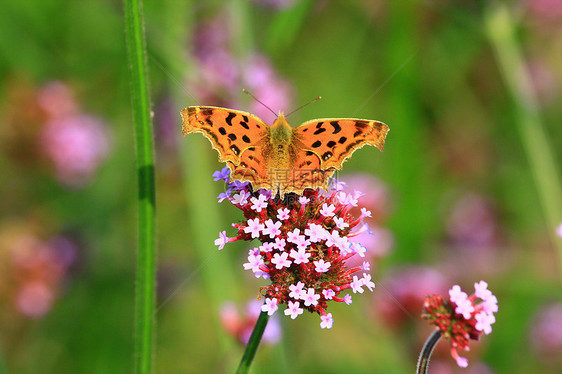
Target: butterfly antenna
pixel 255 98
pixel 302 106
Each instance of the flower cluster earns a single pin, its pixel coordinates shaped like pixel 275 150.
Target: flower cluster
pixel 304 246
pixel 462 317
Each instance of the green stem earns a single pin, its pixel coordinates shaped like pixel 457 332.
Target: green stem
pixel 253 343
pixel 501 32
pixel 146 255
pixel 427 350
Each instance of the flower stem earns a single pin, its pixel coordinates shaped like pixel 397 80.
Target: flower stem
pixel 146 255
pixel 253 343
pixel 427 350
pixel 501 32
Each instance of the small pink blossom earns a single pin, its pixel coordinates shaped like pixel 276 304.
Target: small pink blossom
pixel 222 240
pixel 327 321
pixel 280 244
pixel 293 309
pixel 321 266
pixel 327 210
pixel 241 198
pixel 340 223
pixel 254 227
pixel 311 298
pixel 303 200
pixel 259 203
pixel 348 299
pixel 357 285
pixel 270 306
pixel 272 228
pixel 280 260
pixel 300 256
pixel 297 291
pixel 368 283
pixel 328 294
pixel 283 214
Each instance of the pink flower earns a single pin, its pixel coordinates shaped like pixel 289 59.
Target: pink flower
pixel 76 145
pixel 300 256
pixel 259 203
pixel 297 291
pixel 283 214
pixel 327 210
pixel 321 266
pixel 458 326
pixel 310 298
pixel 326 321
pixel 280 260
pixel 254 227
pixel 293 309
pixel 272 228
pixel 270 306
pixel 222 240
pixel 303 253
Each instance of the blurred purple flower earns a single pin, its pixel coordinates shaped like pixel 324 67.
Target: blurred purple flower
pixel 406 291
pixel 264 83
pixel 277 4
pixel 559 230
pixel 76 146
pixel 221 76
pixel 546 332
pixel 473 222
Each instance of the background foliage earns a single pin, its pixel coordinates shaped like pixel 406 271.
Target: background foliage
pixel 461 183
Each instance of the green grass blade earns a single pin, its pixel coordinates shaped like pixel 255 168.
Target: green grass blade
pixel 500 27
pixel 146 256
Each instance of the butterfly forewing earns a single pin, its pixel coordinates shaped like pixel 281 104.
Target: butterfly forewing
pixel 335 140
pixel 230 132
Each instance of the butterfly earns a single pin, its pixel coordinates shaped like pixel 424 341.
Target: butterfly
pixel 279 157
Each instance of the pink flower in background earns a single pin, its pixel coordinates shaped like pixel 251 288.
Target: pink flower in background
pixel 473 222
pixel 76 146
pixel 406 290
pixel 240 325
pixel 546 332
pixel 32 269
pixel 559 230
pixel 276 4
pixel 221 77
pixel 57 100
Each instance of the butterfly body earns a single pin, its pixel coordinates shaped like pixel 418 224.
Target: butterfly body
pixel 281 158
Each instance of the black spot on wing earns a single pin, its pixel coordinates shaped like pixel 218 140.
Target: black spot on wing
pixel 222 130
pixel 357 133
pixel 342 140
pixel 316 144
pixel 336 125
pixel 331 143
pixel 209 122
pixel 244 124
pixel 245 117
pixel 232 136
pixel 309 153
pixel 229 118
pixel 326 155
pixel 246 139
pixel 235 149
pixel 319 131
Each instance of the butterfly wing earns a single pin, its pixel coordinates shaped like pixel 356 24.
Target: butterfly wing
pixel 236 135
pixel 333 141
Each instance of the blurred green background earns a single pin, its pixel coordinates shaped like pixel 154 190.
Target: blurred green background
pixel 468 186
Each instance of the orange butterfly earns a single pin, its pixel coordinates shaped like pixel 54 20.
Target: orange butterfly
pixel 281 158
